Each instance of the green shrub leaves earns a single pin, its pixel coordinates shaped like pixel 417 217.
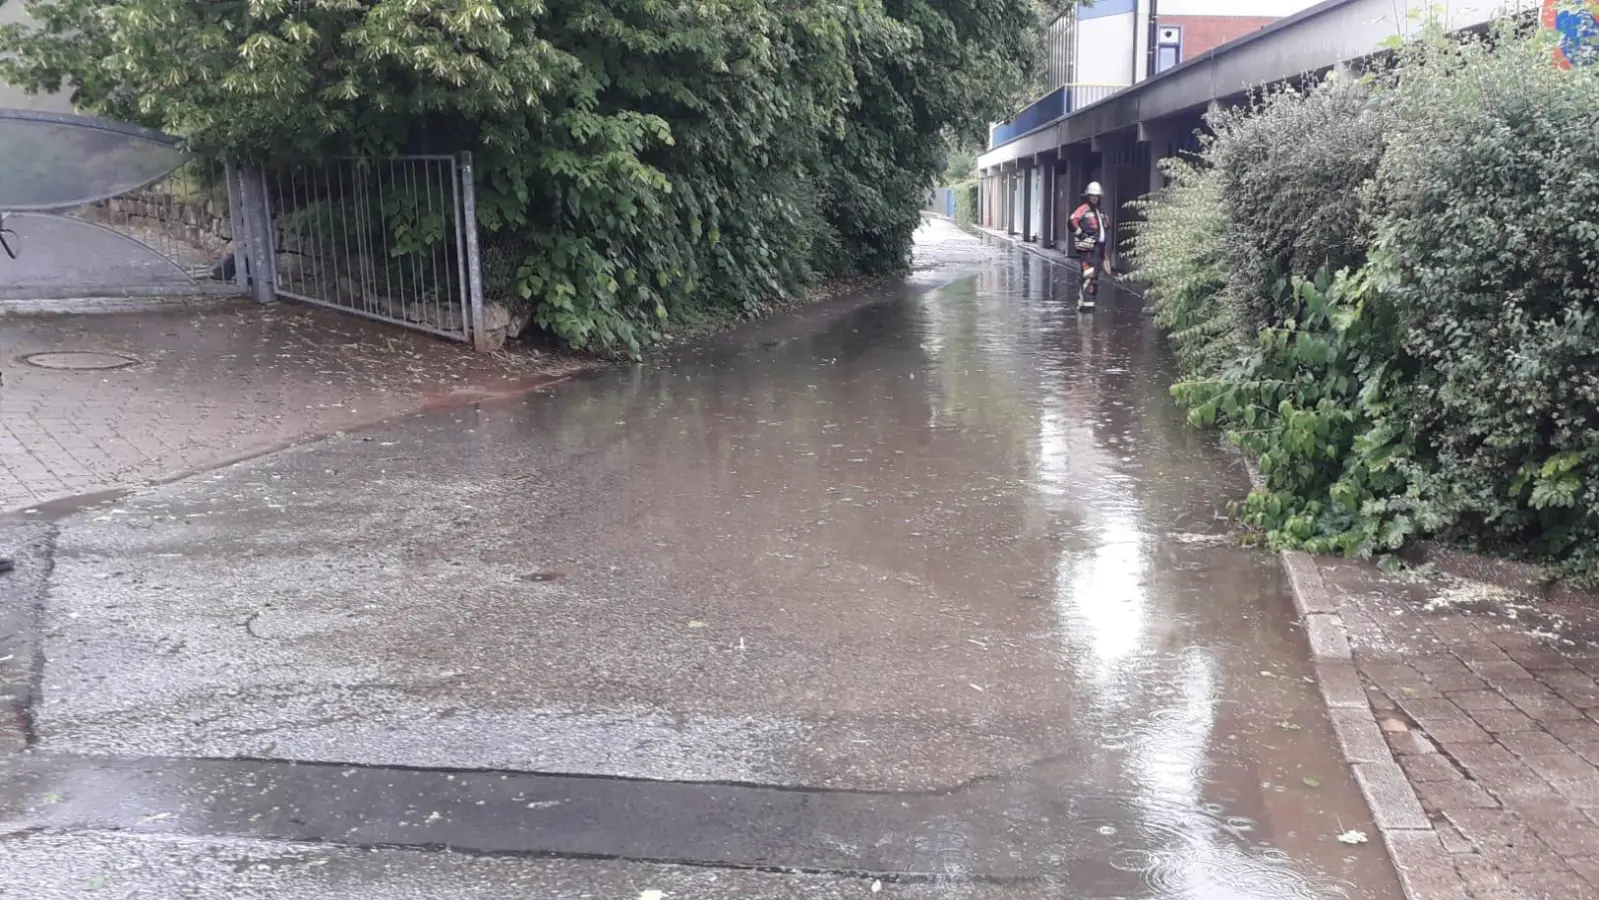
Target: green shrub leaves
pixel 1404 330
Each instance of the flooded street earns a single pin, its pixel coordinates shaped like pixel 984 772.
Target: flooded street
pixel 927 593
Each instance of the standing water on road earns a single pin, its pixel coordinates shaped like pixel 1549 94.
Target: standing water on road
pixel 931 589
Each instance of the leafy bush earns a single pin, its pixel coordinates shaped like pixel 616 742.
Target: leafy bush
pixel 966 194
pixel 1315 403
pixel 1489 199
pixel 634 160
pixel 1177 249
pixel 1292 166
pixel 1445 382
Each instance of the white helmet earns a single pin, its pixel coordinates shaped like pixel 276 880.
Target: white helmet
pixel 1093 190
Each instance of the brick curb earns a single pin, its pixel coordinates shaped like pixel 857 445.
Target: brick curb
pixel 1414 847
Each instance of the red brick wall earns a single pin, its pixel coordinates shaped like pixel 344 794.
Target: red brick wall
pixel 1201 33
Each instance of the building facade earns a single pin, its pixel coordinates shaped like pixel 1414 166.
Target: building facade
pixel 1122 42
pixel 1096 51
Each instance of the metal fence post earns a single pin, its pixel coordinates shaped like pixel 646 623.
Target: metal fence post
pixel 474 261
pixel 237 235
pixel 260 254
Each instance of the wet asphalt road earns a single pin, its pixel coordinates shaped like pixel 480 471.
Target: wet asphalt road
pixel 929 589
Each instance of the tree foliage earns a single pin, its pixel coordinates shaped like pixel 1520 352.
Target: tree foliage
pixel 635 158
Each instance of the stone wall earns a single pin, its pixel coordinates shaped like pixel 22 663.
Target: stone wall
pixel 201 221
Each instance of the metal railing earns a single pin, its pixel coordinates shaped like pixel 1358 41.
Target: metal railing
pixel 169 237
pixel 185 218
pixel 1052 107
pixel 389 239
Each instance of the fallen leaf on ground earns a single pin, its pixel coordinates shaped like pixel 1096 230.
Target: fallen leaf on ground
pixel 1311 782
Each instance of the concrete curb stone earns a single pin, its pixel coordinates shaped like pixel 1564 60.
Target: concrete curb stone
pixel 1418 854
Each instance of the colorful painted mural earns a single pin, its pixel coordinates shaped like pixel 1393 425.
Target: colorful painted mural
pixel 1577 23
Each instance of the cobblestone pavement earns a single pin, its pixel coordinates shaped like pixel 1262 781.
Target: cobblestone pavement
pixel 1486 699
pixel 211 383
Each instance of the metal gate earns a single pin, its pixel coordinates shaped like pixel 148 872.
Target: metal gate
pixel 103 209
pixel 391 239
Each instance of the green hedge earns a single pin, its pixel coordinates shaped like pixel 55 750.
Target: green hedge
pixel 637 163
pixel 966 196
pixel 1403 328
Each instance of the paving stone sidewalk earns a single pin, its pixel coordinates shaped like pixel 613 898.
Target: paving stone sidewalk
pixel 213 382
pixel 1486 699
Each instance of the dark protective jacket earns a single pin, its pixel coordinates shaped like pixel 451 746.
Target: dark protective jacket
pixel 1089 227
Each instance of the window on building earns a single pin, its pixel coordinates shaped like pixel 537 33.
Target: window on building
pixel 1168 47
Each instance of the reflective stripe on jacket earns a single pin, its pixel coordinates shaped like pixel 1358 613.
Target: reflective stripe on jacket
pixel 1089 222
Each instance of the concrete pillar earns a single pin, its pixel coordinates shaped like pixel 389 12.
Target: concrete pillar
pixel 990 207
pixel 1015 200
pixel 1004 200
pixel 1027 203
pixel 1040 203
pixel 1073 179
pixel 994 214
pixel 1160 136
pixel 1008 215
pixel 1046 231
pixel 1113 150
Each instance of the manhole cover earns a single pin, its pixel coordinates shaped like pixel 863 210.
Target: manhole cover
pixel 78 359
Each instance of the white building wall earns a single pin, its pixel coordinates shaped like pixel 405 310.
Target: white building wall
pixel 1141 13
pixel 1106 49
pixel 1403 13
pixel 1276 8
